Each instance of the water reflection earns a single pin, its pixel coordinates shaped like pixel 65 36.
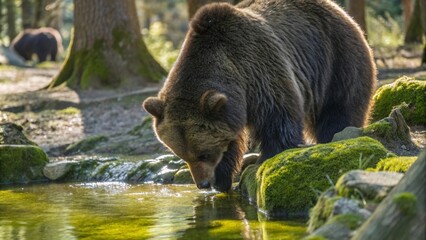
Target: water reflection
pixel 123 211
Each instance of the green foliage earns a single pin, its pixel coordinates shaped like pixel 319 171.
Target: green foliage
pixel 285 182
pixel 395 164
pixel 157 44
pixel 384 31
pixel 405 92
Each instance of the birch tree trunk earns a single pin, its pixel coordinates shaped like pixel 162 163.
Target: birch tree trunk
pixel 107 49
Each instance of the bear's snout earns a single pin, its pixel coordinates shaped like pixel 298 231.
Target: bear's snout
pixel 204 184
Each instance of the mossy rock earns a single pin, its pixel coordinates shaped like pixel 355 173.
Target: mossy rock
pixel 287 183
pixel 407 93
pixel 86 144
pixel 143 129
pixel 323 209
pixel 248 183
pixel 11 133
pixel 395 164
pixel 366 185
pixel 183 176
pixel 21 164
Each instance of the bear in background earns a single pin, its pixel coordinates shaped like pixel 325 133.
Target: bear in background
pixel 43 42
pixel 269 71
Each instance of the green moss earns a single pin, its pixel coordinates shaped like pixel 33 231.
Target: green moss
pixel 286 182
pixel 140 129
pixel 69 111
pixel 404 90
pixel 351 221
pixel 248 183
pixel 382 129
pixel 395 164
pixel 21 163
pixel 85 144
pixel 322 210
pixel 315 238
pixel 406 202
pixel 146 68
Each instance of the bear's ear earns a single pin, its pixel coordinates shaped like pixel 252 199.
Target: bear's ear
pixel 154 106
pixel 212 102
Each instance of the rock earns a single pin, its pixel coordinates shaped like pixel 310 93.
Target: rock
pixel 347 133
pixel 394 133
pixel 249 159
pixel 9 57
pixel 22 164
pixel 11 133
pixel 58 170
pixel 329 205
pixel 395 164
pixel 285 185
pixel 371 185
pixel 183 176
pixel 340 227
pixel 248 183
pixel 405 92
pixel 401 215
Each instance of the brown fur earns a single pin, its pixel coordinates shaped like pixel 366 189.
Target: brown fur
pixel 272 68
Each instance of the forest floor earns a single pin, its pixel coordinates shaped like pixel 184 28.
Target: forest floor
pixel 56 118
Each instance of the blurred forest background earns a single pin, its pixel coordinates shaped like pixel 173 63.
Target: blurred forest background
pixel 393 27
pixel 123 49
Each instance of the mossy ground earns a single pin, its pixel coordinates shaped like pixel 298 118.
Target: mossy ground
pixel 288 182
pixel 86 144
pixel 405 92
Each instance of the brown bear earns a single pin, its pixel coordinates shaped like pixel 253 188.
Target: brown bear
pixel 272 71
pixel 43 42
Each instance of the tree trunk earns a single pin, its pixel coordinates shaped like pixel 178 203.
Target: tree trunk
pixel 48 13
pixel 402 214
pixel 107 49
pixel 414 32
pixel 11 17
pixel 423 21
pixel 356 8
pixel 39 9
pixel 27 14
pixel 406 7
pixel 194 5
pixel 1 20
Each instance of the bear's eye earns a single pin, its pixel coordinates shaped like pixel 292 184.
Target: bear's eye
pixel 204 157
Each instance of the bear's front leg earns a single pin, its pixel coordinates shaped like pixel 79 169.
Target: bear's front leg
pixel 278 137
pixel 229 166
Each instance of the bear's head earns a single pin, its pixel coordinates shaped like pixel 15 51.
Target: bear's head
pixel 196 132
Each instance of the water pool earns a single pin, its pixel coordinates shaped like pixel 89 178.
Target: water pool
pixel 132 211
